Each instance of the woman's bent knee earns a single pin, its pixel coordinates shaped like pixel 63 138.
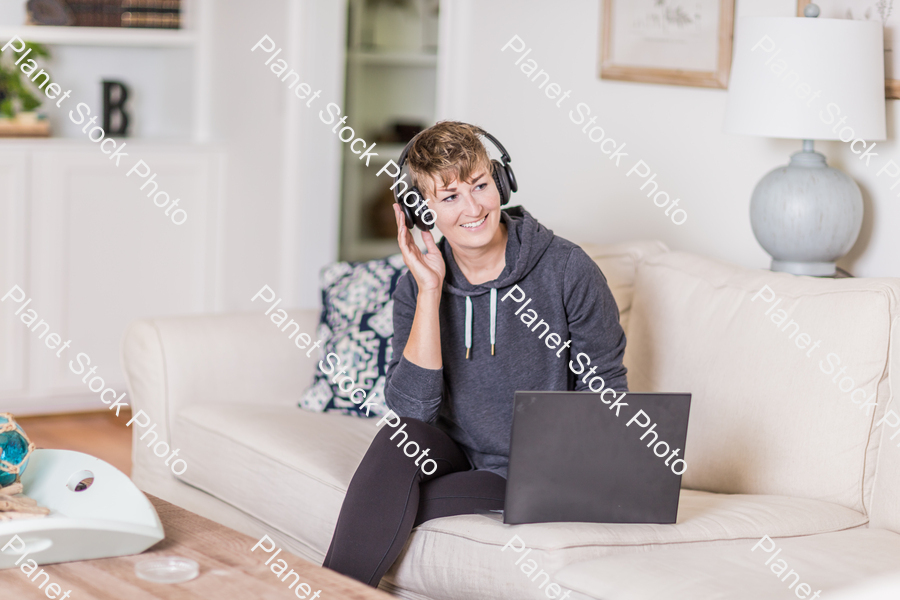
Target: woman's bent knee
pixel 406 429
pixel 413 437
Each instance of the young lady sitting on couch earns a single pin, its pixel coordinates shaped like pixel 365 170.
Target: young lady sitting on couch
pixel 459 356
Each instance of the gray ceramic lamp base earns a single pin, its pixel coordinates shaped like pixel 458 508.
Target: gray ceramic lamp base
pixel 806 215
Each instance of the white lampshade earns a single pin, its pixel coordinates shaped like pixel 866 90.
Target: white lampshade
pixel 841 59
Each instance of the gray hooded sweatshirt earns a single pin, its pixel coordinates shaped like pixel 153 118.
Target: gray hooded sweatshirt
pixel 472 399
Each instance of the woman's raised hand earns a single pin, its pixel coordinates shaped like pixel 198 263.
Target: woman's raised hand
pixel 428 269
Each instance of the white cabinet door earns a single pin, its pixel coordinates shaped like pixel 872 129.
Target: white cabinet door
pixel 13 177
pixel 102 255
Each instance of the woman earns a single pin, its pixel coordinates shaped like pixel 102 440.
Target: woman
pixel 459 355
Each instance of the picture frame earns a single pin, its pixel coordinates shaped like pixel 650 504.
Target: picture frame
pixel 886 11
pixel 676 42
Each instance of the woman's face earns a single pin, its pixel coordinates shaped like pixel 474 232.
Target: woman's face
pixel 468 214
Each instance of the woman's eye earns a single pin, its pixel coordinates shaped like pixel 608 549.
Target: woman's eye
pixel 481 187
pixel 448 198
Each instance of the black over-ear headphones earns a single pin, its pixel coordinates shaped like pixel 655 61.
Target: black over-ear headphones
pixel 412 197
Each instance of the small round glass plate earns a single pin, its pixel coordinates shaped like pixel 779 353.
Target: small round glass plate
pixel 171 569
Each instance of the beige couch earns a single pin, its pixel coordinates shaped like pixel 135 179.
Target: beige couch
pixel 775 447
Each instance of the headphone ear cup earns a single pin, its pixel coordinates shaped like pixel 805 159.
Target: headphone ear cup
pixel 420 218
pixel 511 177
pixel 409 217
pixel 501 180
pixel 413 220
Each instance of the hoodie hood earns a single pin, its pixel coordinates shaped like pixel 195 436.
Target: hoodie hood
pixel 526 243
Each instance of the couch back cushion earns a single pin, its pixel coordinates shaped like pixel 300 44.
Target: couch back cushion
pixel 780 368
pixel 885 510
pixel 619 265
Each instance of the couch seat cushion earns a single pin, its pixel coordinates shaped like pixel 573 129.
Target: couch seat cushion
pixel 461 556
pixel 304 461
pixel 824 562
pixel 292 467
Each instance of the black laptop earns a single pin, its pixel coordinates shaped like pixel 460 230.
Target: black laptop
pixel 572 459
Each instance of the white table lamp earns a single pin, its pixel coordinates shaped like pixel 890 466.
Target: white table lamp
pixel 808 79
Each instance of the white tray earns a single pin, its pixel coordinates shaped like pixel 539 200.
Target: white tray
pixel 110 518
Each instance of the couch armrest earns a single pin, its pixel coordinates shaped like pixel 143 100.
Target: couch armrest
pixel 246 358
pixel 239 358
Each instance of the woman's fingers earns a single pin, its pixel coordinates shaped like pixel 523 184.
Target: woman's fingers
pixel 408 248
pixel 412 254
pixel 402 232
pixel 429 243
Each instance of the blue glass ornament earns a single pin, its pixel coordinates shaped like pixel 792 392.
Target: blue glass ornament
pixel 14 450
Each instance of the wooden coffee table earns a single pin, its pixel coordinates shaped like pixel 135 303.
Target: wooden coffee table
pixel 228 570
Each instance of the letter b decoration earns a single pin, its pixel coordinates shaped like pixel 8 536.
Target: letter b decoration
pixel 115 93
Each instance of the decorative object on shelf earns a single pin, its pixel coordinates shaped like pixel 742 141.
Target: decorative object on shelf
pixel 399 132
pixel 115 93
pixel 15 448
pixel 807 215
pixel 381 214
pixel 19 97
pixel 96 511
pixel 882 11
pixel 667 41
pixel 430 24
pixel 396 25
pixel 49 12
pixel 25 124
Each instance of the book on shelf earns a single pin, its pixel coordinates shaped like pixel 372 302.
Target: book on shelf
pixel 148 14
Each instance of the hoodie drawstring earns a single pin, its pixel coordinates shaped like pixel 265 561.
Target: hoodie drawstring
pixel 493 318
pixel 493 323
pixel 468 326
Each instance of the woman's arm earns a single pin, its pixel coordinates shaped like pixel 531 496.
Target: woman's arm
pixel 593 319
pixel 414 382
pixel 423 348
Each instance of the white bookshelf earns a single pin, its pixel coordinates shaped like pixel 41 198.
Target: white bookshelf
pixel 389 79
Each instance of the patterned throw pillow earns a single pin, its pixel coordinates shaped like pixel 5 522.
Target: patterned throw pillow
pixel 357 326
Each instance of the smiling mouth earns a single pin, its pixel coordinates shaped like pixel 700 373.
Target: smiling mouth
pixel 475 224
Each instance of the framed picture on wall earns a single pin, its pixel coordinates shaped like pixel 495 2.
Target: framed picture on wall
pixel 886 11
pixel 680 42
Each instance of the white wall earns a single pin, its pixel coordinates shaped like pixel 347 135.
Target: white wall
pixel 283 176
pixel 569 185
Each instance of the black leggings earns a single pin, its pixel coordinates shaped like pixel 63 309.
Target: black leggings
pixel 389 495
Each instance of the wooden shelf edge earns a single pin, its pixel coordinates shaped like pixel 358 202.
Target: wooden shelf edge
pixel 401 59
pixel 101 36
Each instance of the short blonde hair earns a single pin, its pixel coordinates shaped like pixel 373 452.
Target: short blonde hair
pixel 449 150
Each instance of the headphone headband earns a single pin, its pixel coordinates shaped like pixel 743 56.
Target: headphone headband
pixel 504 155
